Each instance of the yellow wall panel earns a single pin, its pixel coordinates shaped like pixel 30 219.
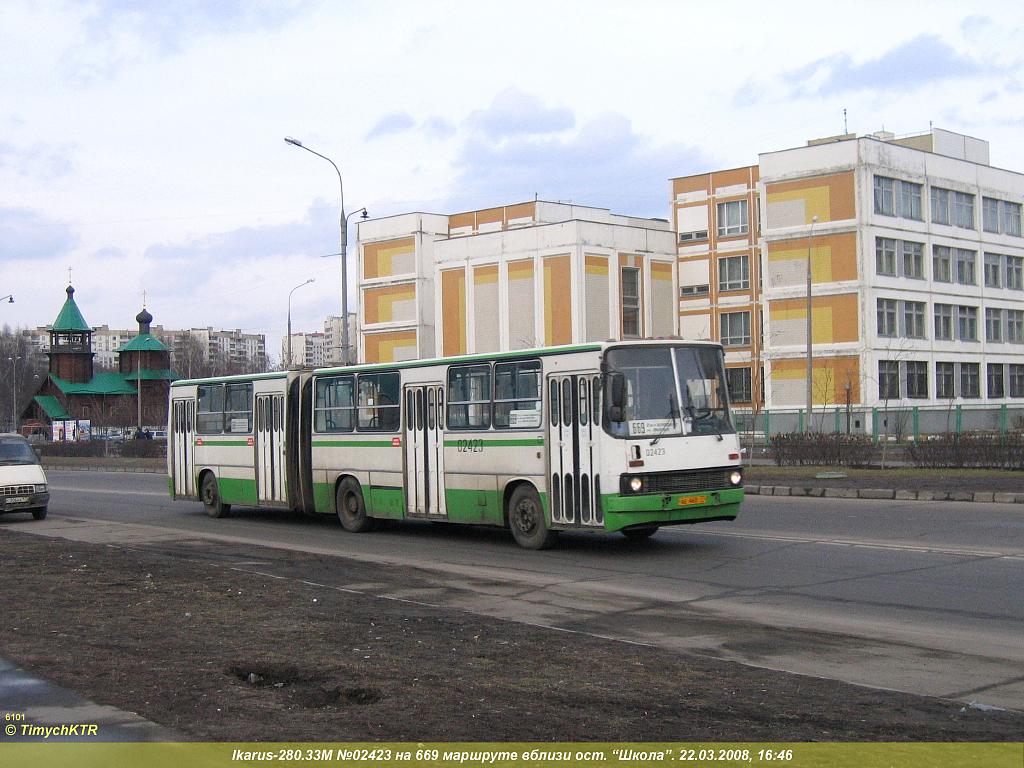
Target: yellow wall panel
pixel 453 311
pixel 378 303
pixel 834 318
pixel 379 257
pixel 829 376
pixel 382 347
pixel 830 198
pixel 557 300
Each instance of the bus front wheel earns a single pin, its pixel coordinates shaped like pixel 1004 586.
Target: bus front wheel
pixel 640 533
pixel 351 508
pixel 526 520
pixel 210 495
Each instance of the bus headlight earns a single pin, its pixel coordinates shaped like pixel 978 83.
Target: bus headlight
pixel 636 484
pixel 736 477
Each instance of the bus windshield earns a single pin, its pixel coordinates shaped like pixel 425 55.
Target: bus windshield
pixel 665 392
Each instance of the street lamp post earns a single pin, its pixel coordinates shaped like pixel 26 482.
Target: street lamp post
pixel 14 391
pixel 344 248
pixel 810 344
pixel 9 297
pixel 293 290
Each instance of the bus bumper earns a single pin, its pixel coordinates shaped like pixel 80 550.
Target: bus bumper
pixel 670 509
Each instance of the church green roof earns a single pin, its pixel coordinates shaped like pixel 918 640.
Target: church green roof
pixel 101 384
pixel 52 407
pixel 150 374
pixel 70 318
pixel 144 342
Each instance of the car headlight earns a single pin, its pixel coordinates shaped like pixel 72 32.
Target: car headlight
pixel 636 484
pixel 736 477
pixel 41 488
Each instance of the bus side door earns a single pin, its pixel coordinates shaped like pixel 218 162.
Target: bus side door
pixel 182 446
pixel 270 449
pixel 424 451
pixel 573 450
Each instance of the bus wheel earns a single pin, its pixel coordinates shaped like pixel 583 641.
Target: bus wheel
pixel 640 533
pixel 210 496
pixel 351 509
pixel 526 519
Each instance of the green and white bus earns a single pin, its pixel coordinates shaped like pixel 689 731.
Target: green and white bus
pixel 620 436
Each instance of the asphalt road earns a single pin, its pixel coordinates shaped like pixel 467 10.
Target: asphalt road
pixel 912 596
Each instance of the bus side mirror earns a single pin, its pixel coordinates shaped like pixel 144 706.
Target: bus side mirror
pixel 616 396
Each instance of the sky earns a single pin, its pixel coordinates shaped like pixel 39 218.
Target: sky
pixel 142 142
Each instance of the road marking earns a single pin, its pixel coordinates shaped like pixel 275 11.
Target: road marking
pixel 109 491
pixel 861 544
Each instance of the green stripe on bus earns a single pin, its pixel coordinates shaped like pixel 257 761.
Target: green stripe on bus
pixel 206 442
pixel 354 444
pixel 496 443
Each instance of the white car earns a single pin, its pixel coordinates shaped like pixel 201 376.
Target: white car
pixel 22 480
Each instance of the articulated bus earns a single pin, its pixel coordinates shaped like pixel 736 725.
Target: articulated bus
pixel 620 436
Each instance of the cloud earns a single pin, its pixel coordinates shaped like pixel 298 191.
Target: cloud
pixel 606 164
pixel 925 59
pixel 514 113
pixel 438 128
pixel 38 161
pixel 30 235
pixel 395 122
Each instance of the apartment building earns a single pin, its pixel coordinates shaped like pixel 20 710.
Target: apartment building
pixel 307 349
pixel 333 338
pixel 514 277
pixel 717 226
pixel 917 266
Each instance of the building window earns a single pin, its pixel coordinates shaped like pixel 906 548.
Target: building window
pixel 945 380
pixel 733 273
pixel 1015 272
pixel 887 317
pixel 942 264
pixel 888 380
pixel 944 322
pixel 885 256
pixel 917 379
pixel 732 218
pixel 1016 380
pixel 993 270
pixel 993 325
pixel 949 207
pixel 735 329
pixel 963 262
pixel 970 386
pixel 738 382
pixel 995 380
pixel 1000 216
pixel 894 197
pixel 913 319
pixel 630 303
pixel 963 210
pixel 967 323
pixel 686 291
pixel 913 259
pixel 1015 326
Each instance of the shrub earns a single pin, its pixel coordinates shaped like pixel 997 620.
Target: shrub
pixel 143 449
pixel 822 448
pixel 970 449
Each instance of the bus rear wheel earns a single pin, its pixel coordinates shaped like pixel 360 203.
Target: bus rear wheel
pixel 351 509
pixel 526 520
pixel 210 496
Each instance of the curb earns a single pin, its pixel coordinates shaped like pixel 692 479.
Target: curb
pixel 884 493
pixel 80 468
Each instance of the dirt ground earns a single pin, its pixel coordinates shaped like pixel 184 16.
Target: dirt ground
pixel 904 478
pixel 221 653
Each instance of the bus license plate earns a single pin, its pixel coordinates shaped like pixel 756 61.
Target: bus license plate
pixel 685 501
pixel 17 499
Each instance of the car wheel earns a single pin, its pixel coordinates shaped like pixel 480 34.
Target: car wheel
pixel 39 513
pixel 351 509
pixel 210 496
pixel 526 520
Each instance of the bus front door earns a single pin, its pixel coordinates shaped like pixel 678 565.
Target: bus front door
pixel 270 449
pixel 424 451
pixel 573 454
pixel 182 446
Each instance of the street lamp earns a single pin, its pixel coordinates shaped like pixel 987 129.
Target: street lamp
pixel 810 378
pixel 293 290
pixel 344 248
pixel 14 391
pixel 9 297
